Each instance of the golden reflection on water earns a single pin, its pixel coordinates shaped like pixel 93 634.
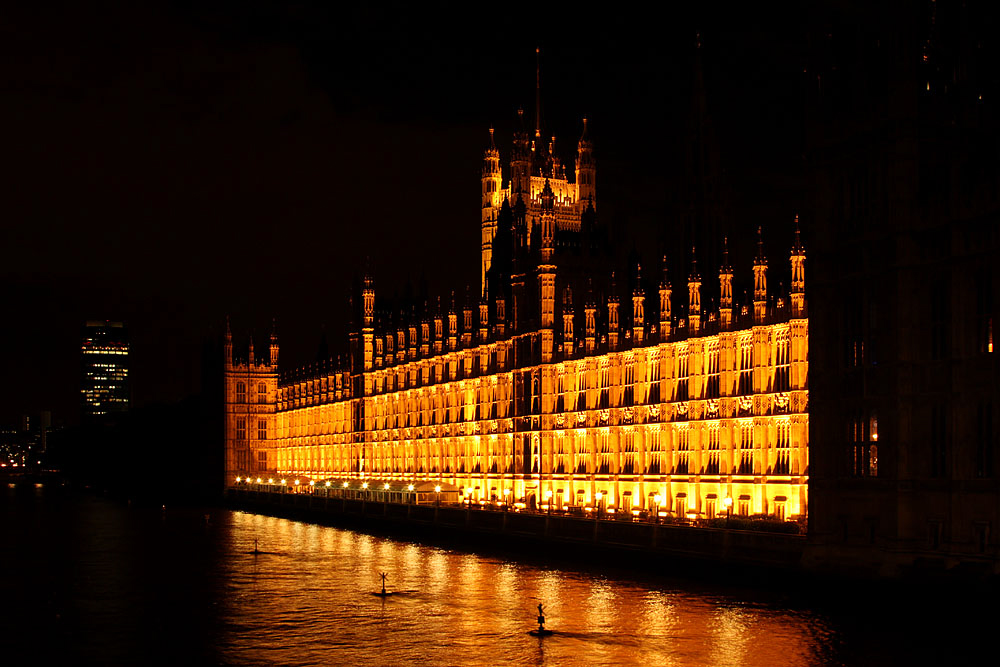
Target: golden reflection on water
pixel 307 600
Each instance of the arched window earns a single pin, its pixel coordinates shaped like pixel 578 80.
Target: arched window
pixel 262 393
pixel 241 392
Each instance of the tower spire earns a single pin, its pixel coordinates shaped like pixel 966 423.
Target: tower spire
pixel 798 239
pixel 725 288
pixel 798 260
pixel 694 296
pixel 491 190
pixel 760 280
pixel 585 171
pixel 665 296
pixel 613 315
pixel 273 350
pixel 638 308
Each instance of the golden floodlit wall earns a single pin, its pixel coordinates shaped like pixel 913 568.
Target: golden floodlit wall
pixel 693 421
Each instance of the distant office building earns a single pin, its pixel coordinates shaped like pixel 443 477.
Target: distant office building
pixel 104 386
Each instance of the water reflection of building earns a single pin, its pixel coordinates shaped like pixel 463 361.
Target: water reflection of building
pixel 104 381
pixel 529 392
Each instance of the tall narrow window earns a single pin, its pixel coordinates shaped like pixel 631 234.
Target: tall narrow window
pixel 262 429
pixel 782 361
pixel 746 449
pixel 628 453
pixel 859 444
pixel 682 377
pixel 714 455
pixel 873 446
pixel 241 429
pixel 745 385
pixel 241 392
pixel 628 390
pixel 654 380
pixel 712 371
pixel 582 454
pixel 605 383
pixel 654 452
pixel 683 452
pixel 261 392
pixel 782 450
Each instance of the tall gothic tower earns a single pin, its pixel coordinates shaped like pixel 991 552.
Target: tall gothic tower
pixel 251 398
pixel 492 183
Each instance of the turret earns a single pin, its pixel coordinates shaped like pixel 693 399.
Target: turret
pixel 638 309
pixel 411 336
pixel 438 329
pixel 501 315
pixel 467 319
pixel 725 289
pixel 798 295
pixel 491 186
pixel 520 163
pixel 250 356
pixel 368 319
pixel 567 322
pixel 665 297
pixel 760 280
pixel 613 316
pixel 586 172
pixel 390 344
pixel 452 324
pixel 274 343
pixel 590 317
pixel 425 332
pixel 484 315
pixel 548 223
pixel 694 297
pixel 368 301
pixel 401 337
pixel 547 273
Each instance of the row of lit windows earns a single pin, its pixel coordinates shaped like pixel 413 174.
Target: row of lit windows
pixel 406 376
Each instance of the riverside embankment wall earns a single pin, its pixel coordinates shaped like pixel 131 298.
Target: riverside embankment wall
pixel 706 546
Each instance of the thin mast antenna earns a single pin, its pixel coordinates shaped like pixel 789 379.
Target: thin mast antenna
pixel 538 92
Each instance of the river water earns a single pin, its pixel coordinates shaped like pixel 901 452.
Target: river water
pixel 94 581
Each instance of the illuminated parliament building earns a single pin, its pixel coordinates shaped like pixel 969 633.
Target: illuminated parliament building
pixel 558 385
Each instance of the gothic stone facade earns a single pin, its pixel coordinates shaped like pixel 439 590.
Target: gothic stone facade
pixel 511 407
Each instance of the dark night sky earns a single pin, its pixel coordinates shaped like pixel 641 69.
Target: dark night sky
pixel 167 164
